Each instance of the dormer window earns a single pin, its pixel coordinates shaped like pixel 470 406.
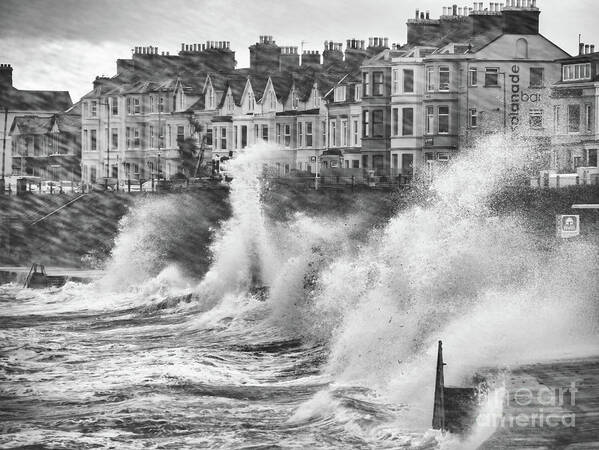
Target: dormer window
pixel 340 93
pixel 573 72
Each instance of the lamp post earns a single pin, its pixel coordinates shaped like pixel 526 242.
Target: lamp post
pixel 2 180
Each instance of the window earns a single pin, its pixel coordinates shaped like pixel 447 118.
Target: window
pixel 115 138
pixel 273 102
pixel 235 131
pixel 378 126
pixel 377 83
pixel 115 106
pixel 355 132
pixel 408 80
pixel 161 135
pixel 358 93
pixel 473 115
pixel 85 111
pixel 407 127
pixel 256 132
pixel 535 118
pixel 265 133
pixel 93 108
pixel 160 104
pixel 136 106
pixel 492 76
pixel 340 93
pixel 395 160
pixel 536 77
pixel 180 134
pixel 473 76
pixel 395 81
pixel 366 83
pixel 251 102
pixel 588 117
pixel 356 164
pixel 344 133
pixel 577 71
pixel 93 145
pixel 316 97
pixel 300 135
pixel 444 78
pixel 294 100
pixel 556 119
pixel 287 134
pixel 443 119
pixel 333 134
pixel 209 135
pixel 244 136
pixel 522 48
pixel 573 118
pixel 136 138
pixel 366 123
pixel 308 134
pixel 278 133
pixel 223 138
pixel 323 128
pixel 395 122
pixel 430 119
pixel 430 79
pixel 152 142
pixel 365 161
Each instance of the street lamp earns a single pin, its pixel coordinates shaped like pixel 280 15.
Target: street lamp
pixel 2 180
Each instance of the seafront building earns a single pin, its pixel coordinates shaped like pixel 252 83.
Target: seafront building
pixel 17 102
pixel 573 119
pixel 48 147
pixel 374 109
pixel 472 71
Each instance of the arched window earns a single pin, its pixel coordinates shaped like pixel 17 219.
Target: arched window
pixel 522 48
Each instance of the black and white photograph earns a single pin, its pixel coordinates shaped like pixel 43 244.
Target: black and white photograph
pixel 299 224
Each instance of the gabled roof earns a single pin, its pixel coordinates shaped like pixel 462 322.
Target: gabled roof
pixel 33 124
pixel 18 100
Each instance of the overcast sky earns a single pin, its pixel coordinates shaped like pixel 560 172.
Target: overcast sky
pixel 64 44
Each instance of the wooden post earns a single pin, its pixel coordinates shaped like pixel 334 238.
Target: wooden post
pixel 439 404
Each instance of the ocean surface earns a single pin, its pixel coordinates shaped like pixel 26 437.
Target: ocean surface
pixel 339 349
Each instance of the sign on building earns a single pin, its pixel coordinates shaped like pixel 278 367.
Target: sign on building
pixel 568 225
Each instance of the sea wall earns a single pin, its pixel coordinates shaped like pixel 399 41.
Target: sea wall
pixel 83 234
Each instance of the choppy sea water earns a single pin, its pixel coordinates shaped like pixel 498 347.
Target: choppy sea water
pixel 338 352
pixel 147 377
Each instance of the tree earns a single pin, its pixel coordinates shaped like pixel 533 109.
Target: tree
pixel 188 153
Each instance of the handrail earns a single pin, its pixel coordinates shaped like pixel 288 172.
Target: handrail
pixel 57 209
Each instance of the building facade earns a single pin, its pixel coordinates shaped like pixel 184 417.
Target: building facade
pixel 47 147
pixel 17 102
pixel 574 122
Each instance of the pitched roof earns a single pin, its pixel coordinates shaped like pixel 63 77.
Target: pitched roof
pixel 19 100
pixel 33 124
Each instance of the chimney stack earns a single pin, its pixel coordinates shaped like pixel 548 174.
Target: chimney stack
pixel 5 76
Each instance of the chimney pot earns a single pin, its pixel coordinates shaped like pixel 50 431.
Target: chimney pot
pixel 182 47
pixel 587 47
pixel 592 49
pixel 534 3
pixel 581 48
pixel 386 40
pixel 444 11
pixel 417 13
